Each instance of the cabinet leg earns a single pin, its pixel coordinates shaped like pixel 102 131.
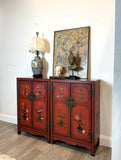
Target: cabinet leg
pixel 97 143
pixel 19 132
pixel 93 152
pixel 51 142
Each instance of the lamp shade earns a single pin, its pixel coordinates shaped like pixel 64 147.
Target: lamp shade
pixel 36 44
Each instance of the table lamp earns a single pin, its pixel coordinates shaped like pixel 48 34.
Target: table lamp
pixel 37 46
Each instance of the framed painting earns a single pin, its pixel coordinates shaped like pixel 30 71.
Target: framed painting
pixel 74 41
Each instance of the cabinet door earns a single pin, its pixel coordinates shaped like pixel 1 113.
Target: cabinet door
pixel 40 106
pixel 60 112
pixel 24 105
pixel 81 113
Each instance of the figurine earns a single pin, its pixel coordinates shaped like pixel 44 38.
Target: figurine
pixel 71 60
pixel 78 62
pixel 74 64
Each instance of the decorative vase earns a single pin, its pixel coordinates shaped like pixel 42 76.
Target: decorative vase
pixel 37 67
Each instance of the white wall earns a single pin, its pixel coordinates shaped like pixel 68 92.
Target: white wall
pixel 18 19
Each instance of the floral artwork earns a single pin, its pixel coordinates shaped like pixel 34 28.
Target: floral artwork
pixel 40 115
pixel 80 122
pixel 60 94
pixel 80 98
pixel 60 119
pixel 25 111
pixel 39 90
pixel 75 40
pixel 25 89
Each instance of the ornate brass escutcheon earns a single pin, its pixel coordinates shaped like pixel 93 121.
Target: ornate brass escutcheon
pixel 32 97
pixel 97 115
pixel 51 89
pixel 18 86
pixel 47 88
pixel 70 102
pixel 52 126
pixel 47 125
pixel 91 93
pixel 19 118
pixel 90 134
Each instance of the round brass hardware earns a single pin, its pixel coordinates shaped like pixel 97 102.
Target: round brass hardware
pixel 70 102
pixel 32 97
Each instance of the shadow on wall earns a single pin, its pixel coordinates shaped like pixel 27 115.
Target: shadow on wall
pixel 45 63
pixel 45 66
pixel 106 109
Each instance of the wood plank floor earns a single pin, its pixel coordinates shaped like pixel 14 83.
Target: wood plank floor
pixel 29 147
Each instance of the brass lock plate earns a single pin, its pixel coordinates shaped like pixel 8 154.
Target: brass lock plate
pixel 70 102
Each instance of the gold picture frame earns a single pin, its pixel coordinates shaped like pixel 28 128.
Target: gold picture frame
pixel 75 40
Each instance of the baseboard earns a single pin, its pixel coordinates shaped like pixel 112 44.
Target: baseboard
pixel 106 141
pixel 8 118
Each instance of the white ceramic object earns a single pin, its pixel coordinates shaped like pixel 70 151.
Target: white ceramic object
pixel 58 71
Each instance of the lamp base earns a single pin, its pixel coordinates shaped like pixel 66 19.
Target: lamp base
pixel 37 67
pixel 37 76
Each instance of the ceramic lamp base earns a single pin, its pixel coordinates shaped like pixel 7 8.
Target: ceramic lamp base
pixel 37 67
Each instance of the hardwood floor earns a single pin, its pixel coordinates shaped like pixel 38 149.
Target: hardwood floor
pixel 29 147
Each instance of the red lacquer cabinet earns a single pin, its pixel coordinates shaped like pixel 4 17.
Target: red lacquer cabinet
pixel 33 106
pixel 75 112
pixel 65 110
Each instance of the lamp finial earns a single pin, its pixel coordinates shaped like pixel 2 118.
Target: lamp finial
pixel 37 33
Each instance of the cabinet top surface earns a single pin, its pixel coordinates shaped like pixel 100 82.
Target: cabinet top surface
pixel 54 80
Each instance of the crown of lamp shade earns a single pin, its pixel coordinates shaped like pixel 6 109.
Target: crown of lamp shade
pixel 37 45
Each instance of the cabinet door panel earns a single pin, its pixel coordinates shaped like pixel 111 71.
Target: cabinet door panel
pixel 39 89
pixel 39 115
pixel 81 93
pixel 40 106
pixel 24 88
pixel 81 113
pixel 25 112
pixel 61 113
